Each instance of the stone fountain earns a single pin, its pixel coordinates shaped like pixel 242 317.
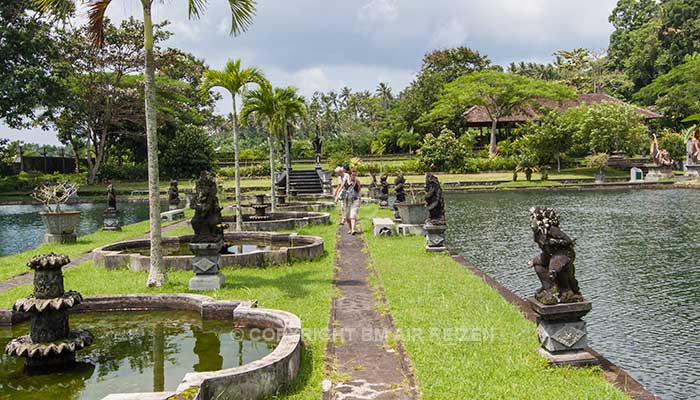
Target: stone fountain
pixel 51 343
pixel 208 236
pixel 260 208
pixel 558 303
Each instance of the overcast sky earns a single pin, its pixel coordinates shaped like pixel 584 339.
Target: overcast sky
pixel 328 44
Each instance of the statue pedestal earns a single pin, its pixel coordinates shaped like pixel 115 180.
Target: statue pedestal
pixel 692 170
pixel 174 206
pixel 435 237
pixel 562 332
pixel 205 265
pixel 111 219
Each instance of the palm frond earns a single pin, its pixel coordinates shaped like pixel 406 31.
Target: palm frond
pixel 59 8
pixel 242 13
pixel 96 17
pixel 195 8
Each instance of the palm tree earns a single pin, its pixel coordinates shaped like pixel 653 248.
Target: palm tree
pixel 384 93
pixel 234 79
pixel 263 103
pixel 291 107
pixel 242 12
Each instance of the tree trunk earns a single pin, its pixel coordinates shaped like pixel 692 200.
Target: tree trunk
pixel 558 162
pixel 494 130
pixel 156 272
pixel 239 215
pixel 272 172
pixel 287 159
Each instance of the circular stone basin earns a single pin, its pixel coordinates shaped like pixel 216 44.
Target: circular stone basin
pixel 277 221
pixel 142 351
pixel 241 249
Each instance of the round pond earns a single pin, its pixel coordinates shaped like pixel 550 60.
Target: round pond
pixel 637 261
pixel 133 352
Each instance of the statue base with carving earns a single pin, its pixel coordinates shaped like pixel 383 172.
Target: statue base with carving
pixel 206 266
pixel 110 218
pixel 435 238
pixel 562 332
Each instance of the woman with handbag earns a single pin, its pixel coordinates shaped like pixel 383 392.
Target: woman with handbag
pixel 351 202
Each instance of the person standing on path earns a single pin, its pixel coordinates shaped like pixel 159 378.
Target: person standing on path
pixel 351 206
pixel 342 177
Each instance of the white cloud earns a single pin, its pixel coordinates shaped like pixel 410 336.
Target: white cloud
pixel 327 44
pixel 450 34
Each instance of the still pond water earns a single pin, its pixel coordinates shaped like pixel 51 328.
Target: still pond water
pixel 638 260
pixel 133 352
pixel 21 227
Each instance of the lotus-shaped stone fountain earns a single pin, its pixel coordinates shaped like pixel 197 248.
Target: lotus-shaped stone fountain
pixel 50 343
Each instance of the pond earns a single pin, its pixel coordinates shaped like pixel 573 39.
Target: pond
pixel 638 260
pixel 21 227
pixel 132 352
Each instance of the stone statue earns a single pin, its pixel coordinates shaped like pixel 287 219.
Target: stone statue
pixel 662 158
pixel 384 191
pixel 434 201
pixel 173 194
pixel 373 184
pixel 111 195
pixel 207 223
pixel 399 184
pixel 555 265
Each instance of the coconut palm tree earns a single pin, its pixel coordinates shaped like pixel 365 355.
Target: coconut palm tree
pixel 291 107
pixel 242 12
pixel 234 79
pixel 384 93
pixel 263 103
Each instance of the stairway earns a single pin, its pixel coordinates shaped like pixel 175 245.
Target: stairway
pixel 303 182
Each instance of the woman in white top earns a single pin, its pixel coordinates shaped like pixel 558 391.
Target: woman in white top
pixel 351 200
pixel 342 177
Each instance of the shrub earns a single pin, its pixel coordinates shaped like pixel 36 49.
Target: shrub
pixel 122 172
pixel 190 152
pixel 599 161
pixel 674 143
pixel 443 153
pixel 476 165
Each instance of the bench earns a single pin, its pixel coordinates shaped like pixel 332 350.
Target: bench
pixel 172 215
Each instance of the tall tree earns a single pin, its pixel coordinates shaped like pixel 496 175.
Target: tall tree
pixel 242 12
pixel 291 108
pixel 384 92
pixel 263 103
pixel 233 79
pixel 501 94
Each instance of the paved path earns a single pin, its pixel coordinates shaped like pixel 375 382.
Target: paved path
pixel 369 367
pixel 28 277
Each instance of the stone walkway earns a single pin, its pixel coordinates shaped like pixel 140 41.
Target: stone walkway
pixel 28 277
pixel 367 365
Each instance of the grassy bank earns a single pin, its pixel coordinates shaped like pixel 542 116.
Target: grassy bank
pixel 302 288
pixel 485 349
pixel 16 264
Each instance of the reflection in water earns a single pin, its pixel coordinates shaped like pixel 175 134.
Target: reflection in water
pixel 21 227
pixel 637 260
pixel 129 347
pixel 206 347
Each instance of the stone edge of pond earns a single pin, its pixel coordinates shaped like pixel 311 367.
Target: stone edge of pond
pixel 257 379
pixel 304 248
pixel 612 373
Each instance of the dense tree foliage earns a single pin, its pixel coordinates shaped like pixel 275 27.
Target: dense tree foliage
pixel 501 94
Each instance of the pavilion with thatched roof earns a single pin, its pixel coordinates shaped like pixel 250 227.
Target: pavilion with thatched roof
pixel 478 117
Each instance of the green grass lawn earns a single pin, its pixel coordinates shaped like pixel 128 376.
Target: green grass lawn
pixel 527 184
pixel 431 291
pixel 16 263
pixel 303 288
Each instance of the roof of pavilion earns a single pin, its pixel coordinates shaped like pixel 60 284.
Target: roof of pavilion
pixel 478 116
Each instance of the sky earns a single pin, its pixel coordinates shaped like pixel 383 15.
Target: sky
pixel 327 44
